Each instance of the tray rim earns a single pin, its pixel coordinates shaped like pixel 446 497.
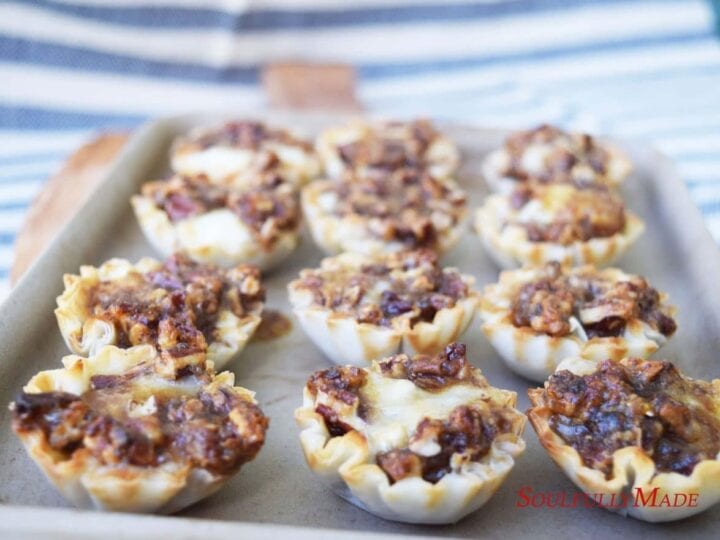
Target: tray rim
pixel 23 520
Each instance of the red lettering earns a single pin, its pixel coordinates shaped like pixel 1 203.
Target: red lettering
pixel 693 500
pixel 640 500
pixel 524 496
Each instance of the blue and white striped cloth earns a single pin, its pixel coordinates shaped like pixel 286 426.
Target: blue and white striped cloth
pixel 644 69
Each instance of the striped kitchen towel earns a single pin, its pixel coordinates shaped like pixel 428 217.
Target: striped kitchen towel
pixel 646 69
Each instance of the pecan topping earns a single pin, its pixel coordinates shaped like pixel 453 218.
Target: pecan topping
pixel 269 206
pixel 602 306
pixel 246 134
pixel 642 403
pixel 590 212
pixel 548 155
pixel 215 431
pixel 403 205
pixel 410 285
pixel 431 372
pixel 175 307
pixel 390 146
pixel 342 383
pixel 470 431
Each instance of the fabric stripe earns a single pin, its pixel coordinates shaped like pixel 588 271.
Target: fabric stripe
pixel 404 45
pixel 290 17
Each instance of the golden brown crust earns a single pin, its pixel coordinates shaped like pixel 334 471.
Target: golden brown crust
pixel 633 425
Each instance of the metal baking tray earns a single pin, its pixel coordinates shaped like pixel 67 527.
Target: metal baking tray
pixel 277 493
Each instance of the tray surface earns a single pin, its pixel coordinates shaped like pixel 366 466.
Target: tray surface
pixel 676 253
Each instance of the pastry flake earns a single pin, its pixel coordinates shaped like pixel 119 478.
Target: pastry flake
pixel 188 311
pixel 363 148
pixel 258 223
pixel 111 433
pixel 392 211
pixel 573 225
pixel 549 155
pixel 230 152
pixel 357 309
pixel 635 427
pixel 421 439
pixel 536 317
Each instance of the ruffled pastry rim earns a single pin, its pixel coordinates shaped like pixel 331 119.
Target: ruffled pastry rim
pixel 511 248
pixel 344 340
pixel 443 155
pixel 338 234
pixel 76 326
pixel 166 237
pixel 344 464
pixel 165 489
pixel 502 184
pixel 534 355
pixel 632 467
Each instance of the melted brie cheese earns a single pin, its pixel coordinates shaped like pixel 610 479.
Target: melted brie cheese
pixel 397 406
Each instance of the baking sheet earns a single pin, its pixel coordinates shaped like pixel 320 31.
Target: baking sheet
pixel 676 253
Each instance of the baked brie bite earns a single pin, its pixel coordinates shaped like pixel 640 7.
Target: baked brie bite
pixel 421 439
pixel 636 430
pixel 357 309
pixel 536 317
pixel 549 155
pixel 111 433
pixel 188 311
pixel 362 148
pixel 227 153
pixel 574 225
pixel 257 223
pixel 390 211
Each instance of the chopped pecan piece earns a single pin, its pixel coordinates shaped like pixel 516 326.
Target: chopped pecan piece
pixel 343 383
pixel 431 372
